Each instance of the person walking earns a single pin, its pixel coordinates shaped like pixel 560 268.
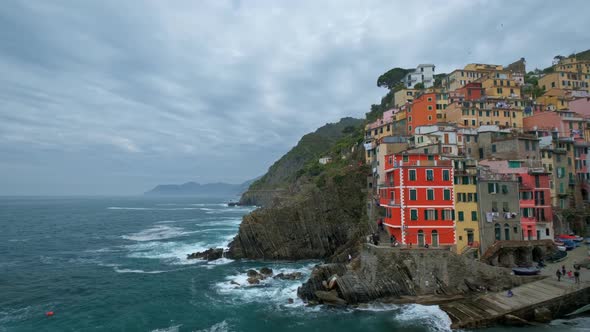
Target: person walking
pixel 563 270
pixel 577 276
pixel 558 274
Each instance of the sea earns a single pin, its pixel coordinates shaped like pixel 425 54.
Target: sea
pixel 119 264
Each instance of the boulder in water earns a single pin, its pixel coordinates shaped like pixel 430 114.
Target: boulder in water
pixel 253 280
pixel 543 315
pixel 289 276
pixel 266 271
pixel 252 273
pixel 210 254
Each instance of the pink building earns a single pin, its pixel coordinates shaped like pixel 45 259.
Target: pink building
pixel 560 123
pixel 580 106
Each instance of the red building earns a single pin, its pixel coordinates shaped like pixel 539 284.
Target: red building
pixel 419 200
pixel 471 91
pixel 421 112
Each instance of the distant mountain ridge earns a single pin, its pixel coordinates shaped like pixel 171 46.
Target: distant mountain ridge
pixel 197 189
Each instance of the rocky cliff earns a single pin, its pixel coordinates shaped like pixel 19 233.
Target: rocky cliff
pixel 278 182
pixel 381 273
pixel 324 217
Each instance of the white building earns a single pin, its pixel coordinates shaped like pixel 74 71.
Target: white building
pixel 422 74
pixel 325 160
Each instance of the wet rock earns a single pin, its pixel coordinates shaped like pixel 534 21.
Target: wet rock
pixel 289 276
pixel 252 273
pixel 210 254
pixel 253 281
pixel 330 298
pixel 543 315
pixel 234 283
pixel 266 271
pixel 515 321
pixel 290 300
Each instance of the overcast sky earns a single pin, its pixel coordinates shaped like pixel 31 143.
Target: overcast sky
pixel 115 97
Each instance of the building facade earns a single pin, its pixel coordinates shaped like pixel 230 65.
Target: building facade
pixel 418 199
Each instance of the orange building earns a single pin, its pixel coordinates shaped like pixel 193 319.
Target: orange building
pixel 421 112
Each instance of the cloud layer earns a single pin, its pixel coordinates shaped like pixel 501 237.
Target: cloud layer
pixel 113 97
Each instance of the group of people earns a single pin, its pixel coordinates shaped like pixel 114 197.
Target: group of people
pixel 572 275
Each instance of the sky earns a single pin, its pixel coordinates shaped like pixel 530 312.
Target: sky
pixel 115 97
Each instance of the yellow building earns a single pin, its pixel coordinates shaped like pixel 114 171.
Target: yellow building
pixel 565 80
pixel 557 99
pixel 460 77
pixel 472 114
pixel 465 191
pixel 573 65
pixel 483 67
pixel 500 87
pixel 404 96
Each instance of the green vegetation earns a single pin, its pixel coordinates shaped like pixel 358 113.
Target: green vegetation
pixel 308 150
pixel 392 77
pixel 419 86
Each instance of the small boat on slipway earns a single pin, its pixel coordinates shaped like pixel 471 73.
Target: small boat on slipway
pixel 526 271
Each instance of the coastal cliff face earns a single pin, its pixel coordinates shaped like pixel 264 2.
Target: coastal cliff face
pixel 324 219
pixel 281 176
pixel 388 274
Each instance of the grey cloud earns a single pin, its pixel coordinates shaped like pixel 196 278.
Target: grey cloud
pixel 117 96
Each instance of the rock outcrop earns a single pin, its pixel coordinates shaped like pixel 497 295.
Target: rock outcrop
pixel 210 254
pixel 385 273
pixel 325 219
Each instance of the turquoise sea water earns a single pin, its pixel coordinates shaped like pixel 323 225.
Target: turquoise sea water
pixel 118 264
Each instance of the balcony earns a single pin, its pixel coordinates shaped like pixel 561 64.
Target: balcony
pixel 427 163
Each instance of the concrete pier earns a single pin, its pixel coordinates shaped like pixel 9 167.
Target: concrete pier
pixel 557 297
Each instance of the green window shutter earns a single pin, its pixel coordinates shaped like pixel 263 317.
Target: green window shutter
pixel 435 214
pixel 425 214
pixel 474 215
pixel 452 214
pixel 475 197
pixel 447 194
pixel 490 188
pixel 461 217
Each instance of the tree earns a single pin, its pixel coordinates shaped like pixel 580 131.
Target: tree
pixel 419 86
pixel 391 78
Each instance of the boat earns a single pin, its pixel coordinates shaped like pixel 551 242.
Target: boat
pixel 557 256
pixel 561 248
pixel 587 240
pixel 526 271
pixel 569 244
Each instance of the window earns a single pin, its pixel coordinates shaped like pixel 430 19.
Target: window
pixel 447 215
pixel 413 195
pixel 505 207
pixel 405 158
pixel 494 206
pixel 492 188
pixel 409 119
pixel 430 214
pixel 446 195
pixel 446 175
pixel 526 145
pixel 429 175
pixel 429 107
pixel 429 117
pixel 430 194
pixel 413 214
pixel 460 216
pixel 504 189
pixel 412 175
pixel 493 147
pixel 473 215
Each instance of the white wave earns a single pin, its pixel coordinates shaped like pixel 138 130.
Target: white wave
pixel 219 327
pixel 174 328
pixel 432 316
pixel 272 290
pixel 170 252
pixel 167 221
pixel 377 307
pixel 221 261
pixel 160 232
pixel 137 271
